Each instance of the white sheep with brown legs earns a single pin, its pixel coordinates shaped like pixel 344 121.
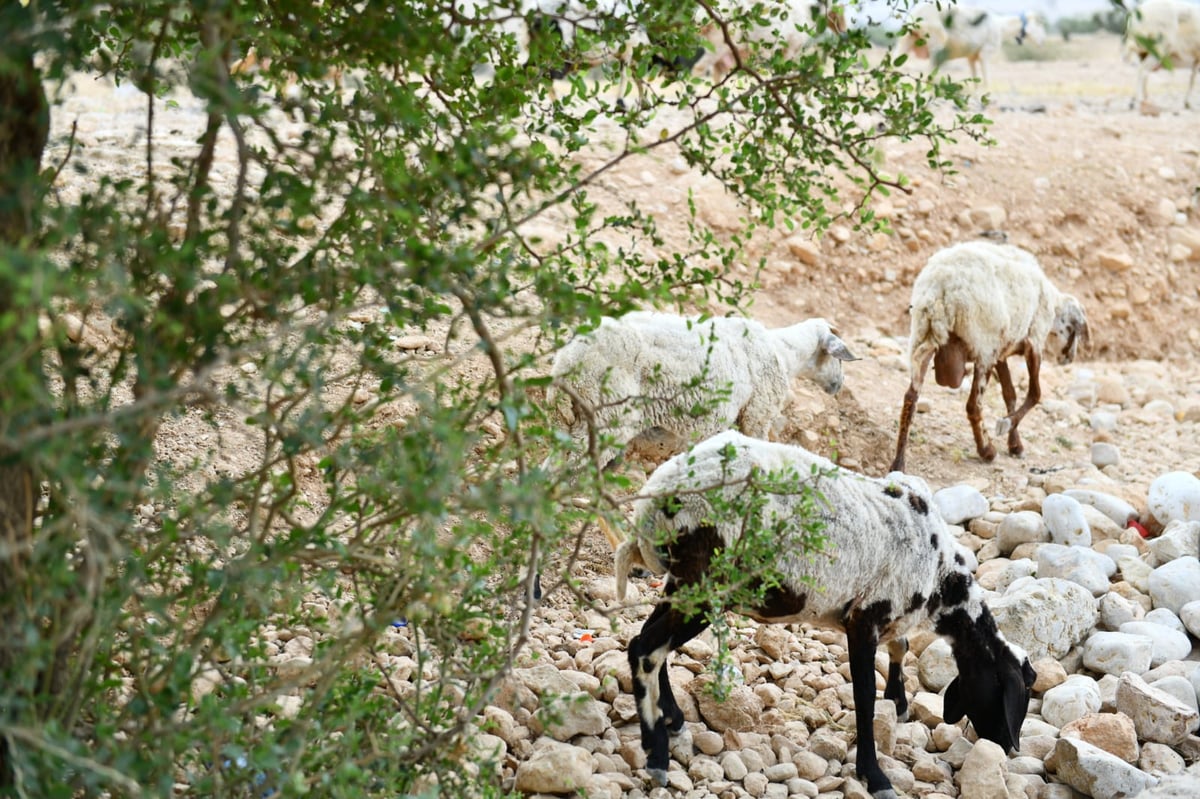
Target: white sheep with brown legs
pixel 981 302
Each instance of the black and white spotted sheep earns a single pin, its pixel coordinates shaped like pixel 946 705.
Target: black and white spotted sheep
pixel 888 564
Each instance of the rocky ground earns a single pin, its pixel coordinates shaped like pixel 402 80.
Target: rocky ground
pixel 1106 196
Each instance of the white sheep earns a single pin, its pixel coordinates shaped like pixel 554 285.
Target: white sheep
pixel 983 302
pixel 887 564
pixel 1161 31
pixel 941 31
pixel 688 376
pixel 788 26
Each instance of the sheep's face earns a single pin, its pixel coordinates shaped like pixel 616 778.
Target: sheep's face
pixel 1069 331
pixel 995 697
pixel 830 353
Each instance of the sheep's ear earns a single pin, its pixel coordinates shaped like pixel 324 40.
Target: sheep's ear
pixel 837 348
pixel 954 706
pixel 1014 687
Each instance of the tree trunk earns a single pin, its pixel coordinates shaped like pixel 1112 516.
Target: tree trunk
pixel 24 128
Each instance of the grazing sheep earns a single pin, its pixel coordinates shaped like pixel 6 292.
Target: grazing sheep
pixel 657 371
pixel 1161 31
pixel 888 564
pixel 791 24
pixel 984 302
pixel 941 32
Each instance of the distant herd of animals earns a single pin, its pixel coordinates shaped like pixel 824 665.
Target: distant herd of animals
pixel 1158 34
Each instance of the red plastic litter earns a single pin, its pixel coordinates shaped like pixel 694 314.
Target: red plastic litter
pixel 1133 524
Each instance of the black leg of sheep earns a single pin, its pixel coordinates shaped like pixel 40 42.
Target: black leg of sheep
pixel 665 630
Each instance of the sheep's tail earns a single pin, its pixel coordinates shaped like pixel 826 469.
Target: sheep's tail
pixel 933 321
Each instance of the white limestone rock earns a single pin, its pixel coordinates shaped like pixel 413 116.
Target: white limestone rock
pixel 1075 698
pixel 1189 614
pixel 984 772
pixel 1117 653
pixel 1096 773
pixel 1105 454
pixel 936 666
pixel 1161 760
pixel 1175 496
pixel 1115 610
pixel 554 767
pixel 1064 519
pixel 1168 644
pixel 1179 687
pixel 1166 618
pixel 564 717
pixel 1136 572
pixel 1179 539
pixel 960 503
pixel 1175 786
pixel 1103 528
pixel 1117 551
pixel 1157 715
pixel 1115 508
pixel 1045 616
pixel 1175 584
pixel 1022 527
pixel 1015 570
pixel 1078 564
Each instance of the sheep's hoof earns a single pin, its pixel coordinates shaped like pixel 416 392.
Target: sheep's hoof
pixel 659 776
pixel 1003 426
pixel 1016 450
pixel 987 454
